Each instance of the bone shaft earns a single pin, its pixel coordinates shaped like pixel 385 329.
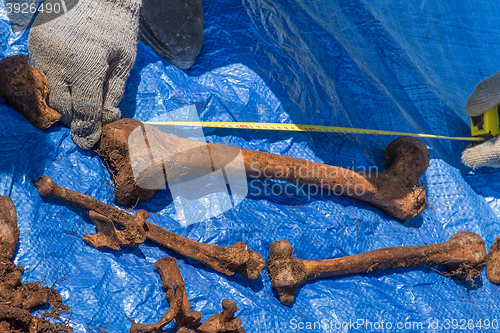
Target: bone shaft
pixel 88 203
pixel 271 166
pixel 208 254
pixel 392 257
pixel 204 253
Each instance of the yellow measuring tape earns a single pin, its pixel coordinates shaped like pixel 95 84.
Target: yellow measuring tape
pixel 302 128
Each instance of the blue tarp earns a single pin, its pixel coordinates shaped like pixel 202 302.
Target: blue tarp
pixel 388 65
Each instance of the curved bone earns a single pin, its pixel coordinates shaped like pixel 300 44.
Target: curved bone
pixel 147 158
pixel 464 254
pixel 175 293
pixel 227 260
pixel 179 307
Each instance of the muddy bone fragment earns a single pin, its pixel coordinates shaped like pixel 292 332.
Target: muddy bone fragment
pixel 9 233
pixel 142 159
pixel 227 260
pixel 26 88
pixel 493 262
pixel 464 254
pixel 180 308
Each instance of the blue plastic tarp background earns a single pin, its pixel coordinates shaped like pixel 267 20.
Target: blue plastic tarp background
pixel 388 65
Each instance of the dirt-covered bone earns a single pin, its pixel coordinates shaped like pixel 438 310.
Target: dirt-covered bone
pixel 26 88
pixel 223 322
pixel 396 190
pixel 493 262
pixel 464 254
pixel 187 321
pixel 17 299
pixel 227 260
pixel 175 293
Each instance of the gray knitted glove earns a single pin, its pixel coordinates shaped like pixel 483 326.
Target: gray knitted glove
pixel 87 55
pixel 485 96
pixel 173 29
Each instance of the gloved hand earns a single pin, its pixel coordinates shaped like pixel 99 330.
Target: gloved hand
pixel 87 55
pixel 485 96
pixel 173 29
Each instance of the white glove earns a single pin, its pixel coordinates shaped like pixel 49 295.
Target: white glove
pixel 87 55
pixel 485 96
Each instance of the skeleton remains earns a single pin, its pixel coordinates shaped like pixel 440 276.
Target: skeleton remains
pixel 227 260
pixel 464 254
pixel 179 308
pixel 142 162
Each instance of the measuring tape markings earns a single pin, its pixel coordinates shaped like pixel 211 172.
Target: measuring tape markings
pixel 302 128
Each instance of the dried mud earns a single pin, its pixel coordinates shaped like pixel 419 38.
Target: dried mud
pixel 18 300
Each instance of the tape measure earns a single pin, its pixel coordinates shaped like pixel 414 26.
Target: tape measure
pixel 302 128
pixel 486 125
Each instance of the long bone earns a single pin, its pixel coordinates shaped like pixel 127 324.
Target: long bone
pixel 227 260
pixel 142 158
pixel 179 307
pixel 464 254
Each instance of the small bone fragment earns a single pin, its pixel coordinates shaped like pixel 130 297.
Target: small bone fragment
pixel 223 322
pixel 108 236
pixel 26 88
pixel 464 254
pixel 395 191
pixel 227 260
pixel 9 233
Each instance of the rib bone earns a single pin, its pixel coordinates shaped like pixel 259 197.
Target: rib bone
pixel 464 254
pixel 226 260
pixel 141 162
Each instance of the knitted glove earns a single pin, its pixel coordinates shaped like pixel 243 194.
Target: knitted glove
pixel 173 29
pixel 87 55
pixel 485 96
